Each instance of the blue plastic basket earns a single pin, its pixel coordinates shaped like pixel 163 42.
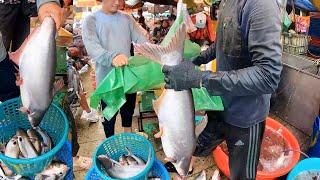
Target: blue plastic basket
pixel 55 123
pixel 65 155
pixel 304 165
pixel 114 147
pixel 158 170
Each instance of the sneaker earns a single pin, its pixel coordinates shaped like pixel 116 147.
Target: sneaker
pixel 91 116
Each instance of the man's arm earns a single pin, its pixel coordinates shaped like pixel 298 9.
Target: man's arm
pixel 92 43
pixel 206 56
pixel 264 48
pixel 138 34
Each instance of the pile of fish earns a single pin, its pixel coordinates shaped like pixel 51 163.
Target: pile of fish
pixel 129 165
pixel 30 144
pixel 55 171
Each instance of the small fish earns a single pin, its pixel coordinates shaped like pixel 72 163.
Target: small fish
pixel 115 170
pixel 12 149
pixel 132 161
pixel 26 147
pixel 47 143
pixel 35 140
pixel 123 160
pixel 202 176
pixel 139 160
pixel 55 171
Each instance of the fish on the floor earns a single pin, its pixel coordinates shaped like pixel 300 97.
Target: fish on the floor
pixel 12 148
pixel 37 63
pixel 115 170
pixel 175 109
pixel 35 140
pixel 26 147
pixel 55 171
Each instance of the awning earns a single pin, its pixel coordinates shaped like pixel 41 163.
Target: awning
pixel 303 5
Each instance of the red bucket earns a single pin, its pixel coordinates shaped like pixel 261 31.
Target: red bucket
pixel 222 159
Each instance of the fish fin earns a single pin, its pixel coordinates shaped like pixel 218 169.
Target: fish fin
pixel 156 103
pixel 24 110
pixel 15 56
pixel 160 133
pixel 155 52
pixel 19 81
pixel 169 159
pixel 129 151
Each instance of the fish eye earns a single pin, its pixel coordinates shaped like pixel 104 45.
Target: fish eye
pixel 60 173
pixel 20 138
pixel 14 143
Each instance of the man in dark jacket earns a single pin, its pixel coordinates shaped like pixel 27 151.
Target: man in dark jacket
pixel 248 53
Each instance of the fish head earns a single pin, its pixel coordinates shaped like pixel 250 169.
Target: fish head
pixel 182 166
pixel 168 54
pixel 35 117
pixel 105 161
pixel 57 169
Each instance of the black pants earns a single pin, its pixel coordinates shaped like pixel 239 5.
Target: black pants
pixel 126 112
pixel 8 88
pixel 243 144
pixel 14 25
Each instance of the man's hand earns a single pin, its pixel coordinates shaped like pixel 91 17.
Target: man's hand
pixel 120 60
pixel 51 9
pixel 182 76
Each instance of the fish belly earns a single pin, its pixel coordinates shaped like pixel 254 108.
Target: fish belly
pixel 176 116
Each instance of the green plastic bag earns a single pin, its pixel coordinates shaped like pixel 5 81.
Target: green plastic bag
pixel 144 74
pixel 286 22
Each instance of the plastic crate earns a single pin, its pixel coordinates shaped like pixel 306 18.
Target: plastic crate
pixel 295 43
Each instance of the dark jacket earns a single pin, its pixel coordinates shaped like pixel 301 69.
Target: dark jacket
pixel 248 53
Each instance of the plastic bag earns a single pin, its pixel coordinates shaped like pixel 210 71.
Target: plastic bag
pixel 144 74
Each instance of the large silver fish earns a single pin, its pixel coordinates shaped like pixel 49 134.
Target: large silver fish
pixel 37 62
pixel 115 170
pixel 175 109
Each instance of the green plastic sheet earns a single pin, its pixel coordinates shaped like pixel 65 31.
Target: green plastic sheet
pixel 144 74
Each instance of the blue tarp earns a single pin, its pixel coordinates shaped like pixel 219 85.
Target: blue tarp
pixel 304 5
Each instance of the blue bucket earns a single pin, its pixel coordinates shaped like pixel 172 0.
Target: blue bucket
pixel 314 150
pixel 115 146
pixel 55 123
pixel 158 170
pixel 304 165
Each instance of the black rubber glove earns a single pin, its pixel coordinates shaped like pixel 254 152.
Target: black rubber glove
pixel 182 76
